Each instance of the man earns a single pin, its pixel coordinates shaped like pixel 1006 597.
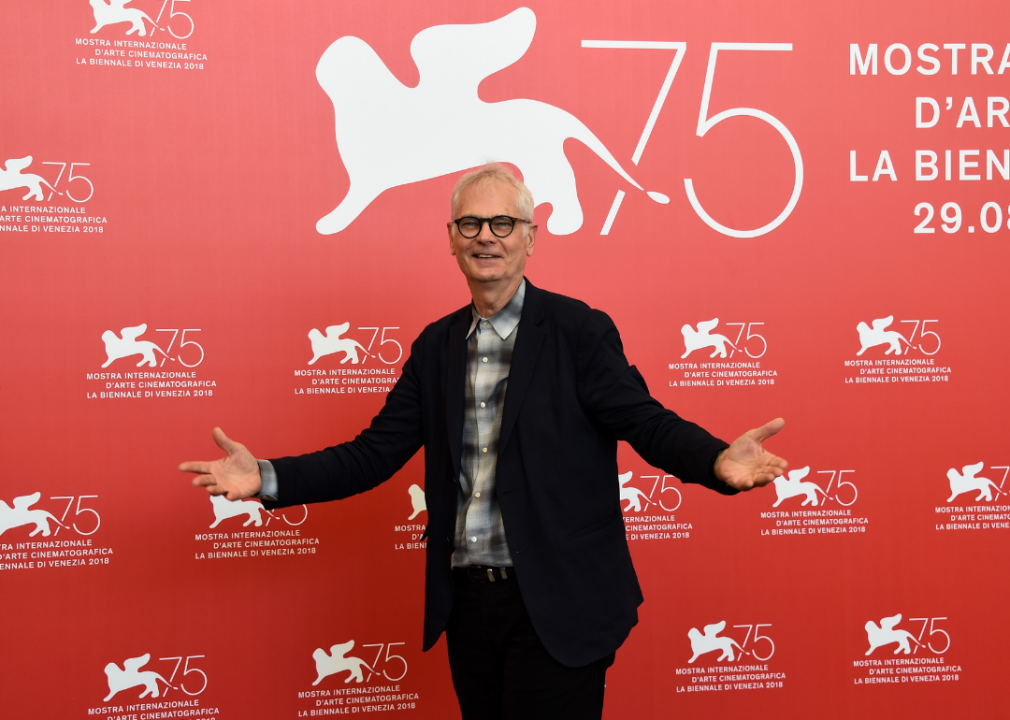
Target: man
pixel 519 400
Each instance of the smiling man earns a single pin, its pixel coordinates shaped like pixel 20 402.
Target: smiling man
pixel 519 400
pixel 489 247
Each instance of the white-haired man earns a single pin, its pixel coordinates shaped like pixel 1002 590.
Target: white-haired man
pixel 528 570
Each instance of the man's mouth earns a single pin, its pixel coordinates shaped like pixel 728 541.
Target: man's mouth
pixel 485 257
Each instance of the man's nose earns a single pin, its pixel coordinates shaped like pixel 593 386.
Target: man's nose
pixel 485 234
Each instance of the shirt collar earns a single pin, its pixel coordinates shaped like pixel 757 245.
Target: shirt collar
pixel 505 320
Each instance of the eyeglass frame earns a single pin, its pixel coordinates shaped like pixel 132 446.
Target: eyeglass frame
pixel 490 225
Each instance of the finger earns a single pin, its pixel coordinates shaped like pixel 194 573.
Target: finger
pixel 767 430
pixel 768 462
pixel 779 463
pixel 204 480
pixel 223 441
pixel 747 483
pixel 762 478
pixel 771 470
pixel 196 467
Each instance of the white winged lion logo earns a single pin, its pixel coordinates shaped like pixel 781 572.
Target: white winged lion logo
pixel 967 481
pixel 888 632
pixel 131 676
pixel 19 515
pixel 12 178
pixel 703 337
pixel 337 660
pixel 117 347
pixel 709 641
pixel 389 134
pixel 112 12
pixel 331 343
pixel 632 494
pixel 878 334
pixel 793 486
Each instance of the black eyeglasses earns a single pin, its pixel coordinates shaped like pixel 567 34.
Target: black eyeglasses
pixel 501 225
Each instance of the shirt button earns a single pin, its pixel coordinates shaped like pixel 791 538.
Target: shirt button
pixel 483 359
pixel 485 323
pixel 476 494
pixel 483 449
pixel 473 539
pixel 482 405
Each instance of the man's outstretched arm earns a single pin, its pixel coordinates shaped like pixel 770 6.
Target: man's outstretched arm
pixel 617 395
pixel 392 438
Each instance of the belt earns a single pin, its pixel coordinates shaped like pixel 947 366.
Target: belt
pixel 485 574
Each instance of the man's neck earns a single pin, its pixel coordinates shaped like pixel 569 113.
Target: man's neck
pixel 489 298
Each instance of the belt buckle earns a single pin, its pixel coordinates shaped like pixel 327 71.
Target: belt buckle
pixel 485 574
pixel 476 574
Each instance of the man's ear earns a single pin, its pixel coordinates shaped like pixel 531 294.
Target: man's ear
pixel 452 247
pixel 531 239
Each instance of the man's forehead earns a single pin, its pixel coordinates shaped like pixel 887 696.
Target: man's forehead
pixel 497 193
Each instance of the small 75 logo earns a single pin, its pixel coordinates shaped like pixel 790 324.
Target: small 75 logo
pixel 126 345
pixel 113 12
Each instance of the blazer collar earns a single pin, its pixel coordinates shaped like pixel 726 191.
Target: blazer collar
pixel 455 390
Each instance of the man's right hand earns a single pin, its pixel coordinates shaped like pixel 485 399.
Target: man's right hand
pixel 236 475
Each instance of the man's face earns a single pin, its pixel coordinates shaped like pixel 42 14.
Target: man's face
pixel 488 258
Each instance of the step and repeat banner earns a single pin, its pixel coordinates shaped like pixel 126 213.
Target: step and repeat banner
pixel 234 214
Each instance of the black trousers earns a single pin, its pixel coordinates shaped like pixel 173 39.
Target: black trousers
pixel 501 670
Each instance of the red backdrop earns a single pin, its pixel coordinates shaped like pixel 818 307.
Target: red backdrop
pixel 180 176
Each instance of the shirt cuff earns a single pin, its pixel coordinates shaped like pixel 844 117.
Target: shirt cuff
pixel 268 476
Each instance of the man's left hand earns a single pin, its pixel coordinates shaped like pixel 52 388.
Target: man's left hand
pixel 745 464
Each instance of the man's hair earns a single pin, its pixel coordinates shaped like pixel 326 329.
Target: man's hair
pixel 495 174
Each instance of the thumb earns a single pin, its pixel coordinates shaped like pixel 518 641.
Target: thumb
pixel 223 441
pixel 767 430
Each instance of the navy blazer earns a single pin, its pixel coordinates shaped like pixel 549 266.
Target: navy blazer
pixel 571 396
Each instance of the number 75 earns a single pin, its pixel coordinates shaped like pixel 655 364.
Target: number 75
pixel 173 13
pixel 705 124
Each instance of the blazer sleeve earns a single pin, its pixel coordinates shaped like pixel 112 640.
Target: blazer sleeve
pixel 374 456
pixel 616 396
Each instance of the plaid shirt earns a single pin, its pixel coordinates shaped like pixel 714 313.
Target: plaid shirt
pixel 480 533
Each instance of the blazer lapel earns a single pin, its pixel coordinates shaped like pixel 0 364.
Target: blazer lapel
pixel 524 359
pixel 454 392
